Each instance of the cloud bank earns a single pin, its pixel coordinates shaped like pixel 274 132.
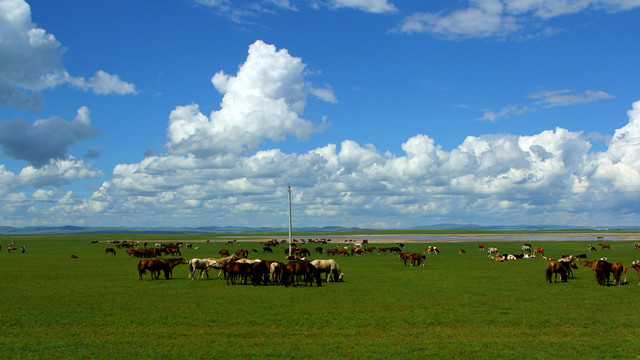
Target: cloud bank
pixel 216 170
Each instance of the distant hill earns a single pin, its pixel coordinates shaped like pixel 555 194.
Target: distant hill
pixel 68 229
pixel 42 230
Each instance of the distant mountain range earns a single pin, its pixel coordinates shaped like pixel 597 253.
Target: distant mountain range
pixel 239 229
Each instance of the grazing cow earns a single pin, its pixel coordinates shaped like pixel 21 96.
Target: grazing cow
pixel 293 269
pixel 558 267
pixel 203 265
pixel 109 251
pixel 330 267
pixel 592 248
pixel 538 250
pixel 605 246
pixel 461 251
pixel 526 248
pixel 636 265
pixel 493 251
pixel 481 247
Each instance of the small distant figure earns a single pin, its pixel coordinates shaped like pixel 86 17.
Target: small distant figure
pixel 9 248
pixel 23 249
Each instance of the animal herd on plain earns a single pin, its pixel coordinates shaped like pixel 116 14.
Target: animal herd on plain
pixel 237 268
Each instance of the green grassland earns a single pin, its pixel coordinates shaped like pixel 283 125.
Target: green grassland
pixel 455 307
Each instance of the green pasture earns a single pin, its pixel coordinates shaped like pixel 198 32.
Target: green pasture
pixel 455 307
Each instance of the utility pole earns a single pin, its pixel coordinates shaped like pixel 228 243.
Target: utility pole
pixel 290 239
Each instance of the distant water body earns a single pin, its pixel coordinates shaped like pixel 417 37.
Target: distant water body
pixel 529 237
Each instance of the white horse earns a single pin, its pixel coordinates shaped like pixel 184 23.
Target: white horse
pixel 330 267
pixel 203 264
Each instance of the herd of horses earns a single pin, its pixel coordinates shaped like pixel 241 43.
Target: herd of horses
pixel 241 270
pixel 238 269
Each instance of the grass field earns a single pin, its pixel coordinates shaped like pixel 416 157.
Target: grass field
pixel 456 307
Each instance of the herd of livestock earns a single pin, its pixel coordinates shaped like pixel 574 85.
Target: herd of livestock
pixel 238 268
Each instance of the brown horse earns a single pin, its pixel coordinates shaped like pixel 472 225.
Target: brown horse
pixel 636 265
pixel 538 250
pixel 605 246
pixel 294 269
pixel 224 252
pixel 618 269
pixel 154 266
pixel 109 251
pixel 234 269
pixel 602 269
pixel 558 267
pixel 416 259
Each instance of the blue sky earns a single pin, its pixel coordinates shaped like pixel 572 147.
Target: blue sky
pixel 379 114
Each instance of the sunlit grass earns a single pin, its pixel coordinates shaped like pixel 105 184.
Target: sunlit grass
pixel 457 306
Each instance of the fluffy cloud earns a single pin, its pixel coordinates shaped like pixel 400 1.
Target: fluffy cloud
pixel 263 101
pixel 498 18
pixel 31 61
pixel 46 140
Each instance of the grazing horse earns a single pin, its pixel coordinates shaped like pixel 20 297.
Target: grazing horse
pixel 154 266
pixel 242 253
pixel 330 267
pixel 235 268
pixel 461 251
pixel 300 268
pixel 605 246
pixel 602 269
pixel 109 251
pixel 558 267
pixel 538 250
pixel 636 245
pixel 203 265
pixel 224 252
pixel 416 259
pixel 618 269
pixel 636 265
pixel 275 270
pixel 171 263
pixel 430 249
